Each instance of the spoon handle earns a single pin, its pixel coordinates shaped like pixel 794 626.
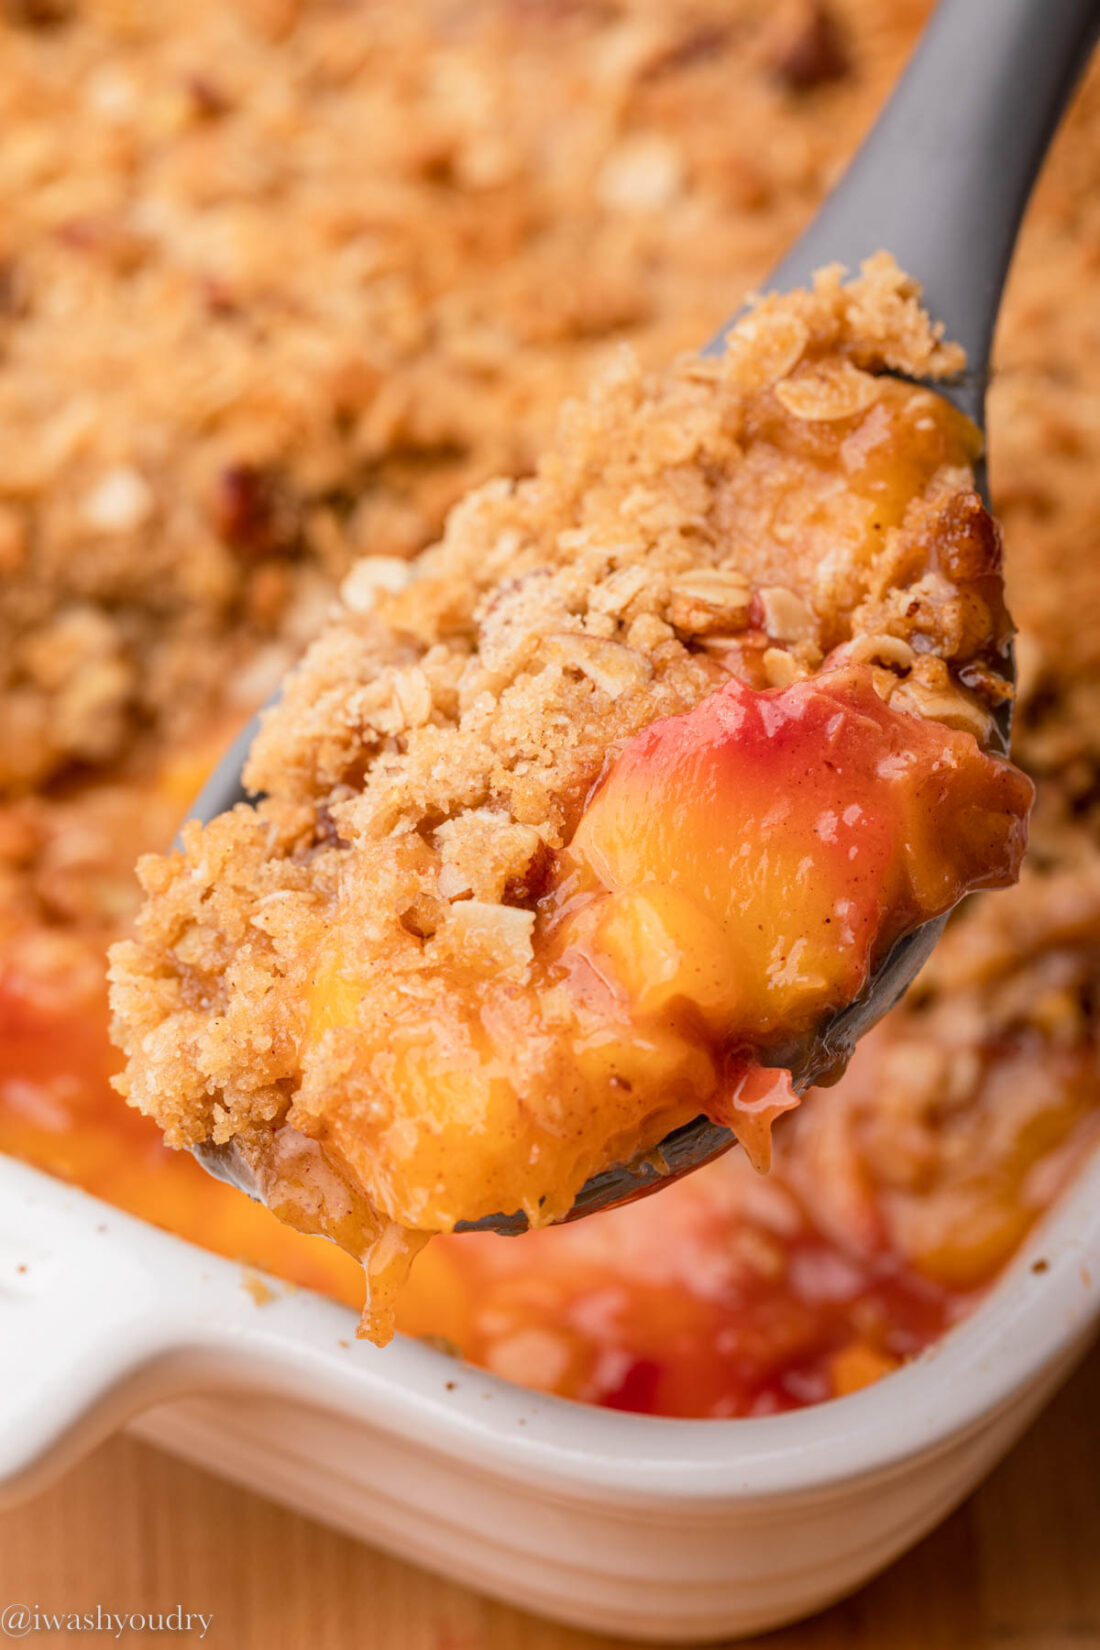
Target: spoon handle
pixel 945 174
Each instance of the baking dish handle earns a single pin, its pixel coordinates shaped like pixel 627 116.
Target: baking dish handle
pixel 103 1316
pixel 83 1322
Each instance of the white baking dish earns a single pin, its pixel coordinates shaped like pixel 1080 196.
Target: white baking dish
pixel 649 1528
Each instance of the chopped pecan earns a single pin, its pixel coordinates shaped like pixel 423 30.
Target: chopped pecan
pixel 423 916
pixel 326 832
pixel 253 512
pixel 207 100
pixel 968 540
pixel 808 48
pixel 531 883
pixel 36 14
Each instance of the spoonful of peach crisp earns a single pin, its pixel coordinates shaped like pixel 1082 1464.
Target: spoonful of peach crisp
pixel 580 846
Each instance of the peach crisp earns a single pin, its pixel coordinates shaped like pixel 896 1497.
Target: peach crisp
pixel 590 820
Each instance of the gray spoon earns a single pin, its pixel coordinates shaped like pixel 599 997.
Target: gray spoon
pixel 941 182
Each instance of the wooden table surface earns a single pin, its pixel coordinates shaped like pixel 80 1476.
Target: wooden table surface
pixel 1017 1568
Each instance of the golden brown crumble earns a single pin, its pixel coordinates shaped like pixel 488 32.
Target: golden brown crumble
pixel 763 514
pixel 199 431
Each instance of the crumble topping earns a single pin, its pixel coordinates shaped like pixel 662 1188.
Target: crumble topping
pixel 785 508
pixel 200 433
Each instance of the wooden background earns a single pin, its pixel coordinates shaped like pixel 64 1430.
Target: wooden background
pixel 1018 1568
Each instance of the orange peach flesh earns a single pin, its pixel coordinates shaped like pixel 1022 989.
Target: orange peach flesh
pixel 757 857
pixel 736 877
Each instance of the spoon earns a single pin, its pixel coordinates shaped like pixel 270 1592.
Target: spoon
pixel 941 182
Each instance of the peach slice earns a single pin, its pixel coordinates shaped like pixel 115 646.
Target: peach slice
pixel 757 857
pixel 471 1104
